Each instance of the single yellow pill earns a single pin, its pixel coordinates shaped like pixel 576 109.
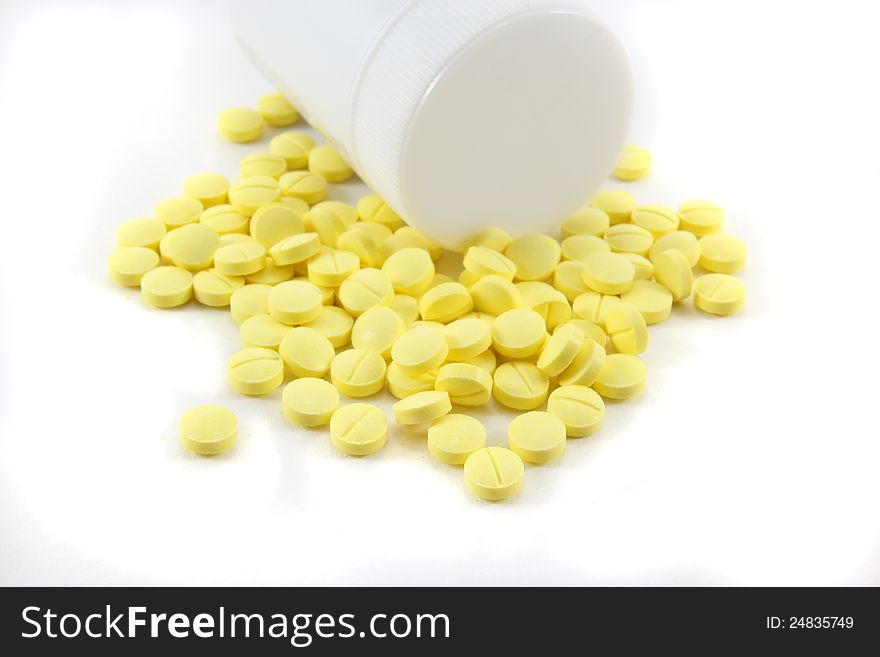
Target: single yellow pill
pixel 249 301
pixel 191 247
pixel 225 219
pixel 407 307
pixel 178 211
pixel 407 236
pixel 719 294
pixel 333 323
pixel 657 219
pixel 445 302
pixel 128 265
pixel 403 385
pixel 255 371
pixel 493 473
pixel 589 330
pixel 365 289
pixel 410 271
pixel 586 221
pixel 304 185
pixel 249 194
pixel 296 204
pixel 327 162
pixel 372 208
pixel 651 299
pixel 358 429
pixel 616 203
pixel 518 333
pixel 167 287
pixel 721 253
pixel 419 350
pixel 271 274
pixel 327 222
pixel 211 288
pixel 485 361
pixel 295 302
pixel 568 279
pixel 366 244
pixel 309 402
pixel 422 407
pixel 535 256
pixel 240 124
pixel 207 188
pixel 629 238
pixel 294 147
pixel 358 372
pixel 328 294
pixel 467 278
pixel 580 408
pixel 492 238
pixel 453 438
pixel 296 248
pixel 273 223
pixel 608 273
pixel 578 247
pixel 594 307
pixel 673 271
pixel 208 430
pixel 270 165
pixel 585 367
pixel 537 437
pixel 262 331
pixel 277 110
pixel 467 338
pixel 306 352
pixel 519 385
pixel 240 259
pixel 483 261
pixel 622 377
pixel 560 349
pixel 627 329
pixel 377 329
pixel 701 217
pixel 465 383
pixel 545 300
pixel 644 268
pixel 330 268
pixel 495 295
pixel 681 240
pixel 140 232
pixel 634 163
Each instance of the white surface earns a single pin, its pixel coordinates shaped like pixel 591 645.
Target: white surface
pixel 752 457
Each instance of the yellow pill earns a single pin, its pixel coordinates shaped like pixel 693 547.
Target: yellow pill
pixel 309 402
pixel 492 237
pixel 568 279
pixel 594 307
pixel 608 273
pixel 445 302
pixel 407 236
pixel 616 203
pixel 211 288
pixel 535 256
pixel 419 350
pixel 178 211
pixel 330 268
pixel 580 408
pixel 376 330
pixel 495 295
pixel 467 278
pixel 270 165
pixel 208 430
pixel 240 259
pixel 372 208
pixel 365 289
pixel 255 371
pixel 644 268
pixel 701 217
pixel 309 187
pixel 629 238
pixel 537 437
pixel 548 302
pixel 327 162
pixel 673 271
pixel 295 302
pixel 225 219
pixel 453 438
pixel 358 429
pixel 465 383
pixel 519 385
pixel 273 223
pixel 422 407
pixel 634 163
pixel 366 244
pixel 249 194
pixel 277 110
pixel 560 349
pixel 589 330
pixel 493 473
pixel 622 377
pixel 191 247
pixel 578 247
pixel 627 329
pixel 407 307
pixel 306 352
pixel 358 372
pixel 719 294
pixel 296 204
pixel 681 240
pixel 586 221
pixel 328 222
pixel 518 333
pixel 207 188
pixel 240 124
pixel 296 248
pixel 333 323
pixel 328 294
pixel 128 265
pixel 657 219
pixel 167 287
pixel 483 261
pixel 403 385
pixel 249 301
pixel 294 147
pixel 467 338
pixel 271 274
pixel 585 367
pixel 485 361
pixel 140 232
pixel 721 253
pixel 262 331
pixel 235 238
pixel 410 271
pixel 651 299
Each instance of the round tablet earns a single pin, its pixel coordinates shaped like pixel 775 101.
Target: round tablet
pixel 578 247
pixel 722 253
pixel 657 219
pixel 608 273
pixel 128 265
pixel 466 338
pixel 491 237
pixel 273 223
pixel 410 270
pixel 493 473
pixel 296 204
pixel 376 330
pixel 331 267
pixel 589 330
pixel 445 302
pixel 454 437
pixel 295 302
pixel 545 300
pixel 240 124
pixel 296 248
pixel 365 289
pixel 249 194
pixel 241 259
pixel 483 261
pixel 560 349
pixel 420 350
pixel 277 110
pixel 681 240
pixel 622 377
pixel 651 299
pixel 211 288
pixel 178 211
pixel 191 247
pixel 207 188
pixel 673 271
pixel 586 221
pixel 580 408
pixel 167 287
pixel 537 437
pixel 627 329
pixel 365 243
pixel 140 232
pixel 255 371
pixel 358 429
pixel 327 162
pixel 518 333
pixel 207 430
pixel 629 238
pixel 701 217
pixel 594 307
pixel 262 331
pixel 358 372
pixel 616 203
pixel 372 208
pixel 407 307
pixel 568 279
pixel 521 386
pixel 719 294
pixel 309 402
pixel 465 383
pixel 403 385
pixel 333 323
pixel 270 165
pixel 304 185
pixel 225 219
pixel 294 147
pixel 634 163
pixel 585 367
pixel 495 295
pixel 328 224
pixel 249 301
pixel 535 256
pixel 306 352
pixel 422 407
pixel 271 274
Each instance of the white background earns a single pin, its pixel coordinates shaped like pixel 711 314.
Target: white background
pixel 752 458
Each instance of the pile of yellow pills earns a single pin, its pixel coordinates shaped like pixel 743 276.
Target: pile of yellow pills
pixel 208 430
pixel 255 371
pixel 309 402
pixel 494 473
pixel 358 429
pixel 454 437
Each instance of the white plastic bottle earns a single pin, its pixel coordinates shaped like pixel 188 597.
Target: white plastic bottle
pixel 461 114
